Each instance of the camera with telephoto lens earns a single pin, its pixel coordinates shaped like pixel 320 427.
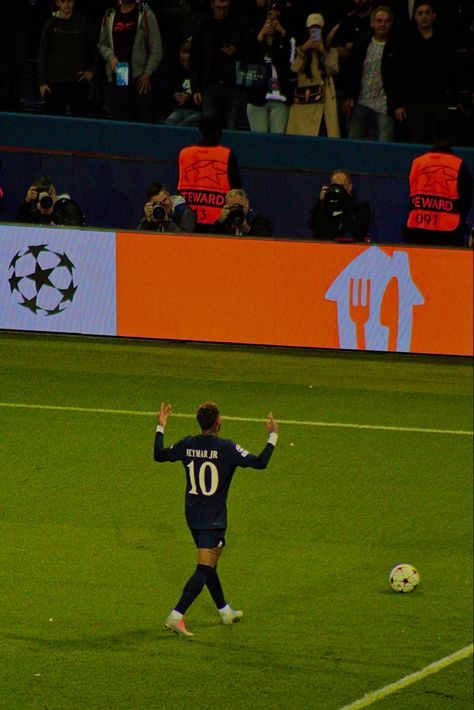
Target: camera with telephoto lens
pixel 335 200
pixel 235 216
pixel 159 212
pixel 45 200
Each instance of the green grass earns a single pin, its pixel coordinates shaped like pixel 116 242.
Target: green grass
pixel 94 548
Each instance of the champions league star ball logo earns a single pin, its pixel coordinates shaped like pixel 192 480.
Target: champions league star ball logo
pixel 42 280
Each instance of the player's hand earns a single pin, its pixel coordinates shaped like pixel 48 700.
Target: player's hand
pixel 270 424
pixel 163 414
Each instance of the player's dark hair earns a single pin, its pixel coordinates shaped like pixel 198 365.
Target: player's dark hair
pixel 206 415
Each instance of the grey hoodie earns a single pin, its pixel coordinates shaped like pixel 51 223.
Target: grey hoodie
pixel 147 48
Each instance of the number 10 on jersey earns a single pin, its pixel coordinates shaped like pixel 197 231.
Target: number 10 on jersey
pixel 200 483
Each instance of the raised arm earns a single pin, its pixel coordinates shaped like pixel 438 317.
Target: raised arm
pixel 247 460
pixel 160 452
pixel 163 414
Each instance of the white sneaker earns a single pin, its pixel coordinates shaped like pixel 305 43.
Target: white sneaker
pixel 231 616
pixel 178 627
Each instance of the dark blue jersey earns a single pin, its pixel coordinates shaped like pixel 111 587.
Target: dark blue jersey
pixel 210 463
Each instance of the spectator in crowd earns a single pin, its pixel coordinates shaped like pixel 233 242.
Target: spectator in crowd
pixel 67 56
pixel 315 95
pixel 238 219
pixel 218 42
pixel 365 97
pixel 37 206
pixel 423 74
pixel 336 215
pixel 440 194
pixel 130 43
pixel 165 212
pixel 293 14
pixel 20 27
pixel 186 112
pixel 402 14
pixel 207 171
pixel 354 25
pixel 268 105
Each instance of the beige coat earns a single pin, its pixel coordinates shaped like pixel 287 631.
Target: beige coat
pixel 305 120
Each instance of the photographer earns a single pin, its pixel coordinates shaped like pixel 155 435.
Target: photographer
pixel 165 212
pixel 38 205
pixel 238 219
pixel 336 216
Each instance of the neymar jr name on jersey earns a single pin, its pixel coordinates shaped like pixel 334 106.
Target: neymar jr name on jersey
pixel 201 454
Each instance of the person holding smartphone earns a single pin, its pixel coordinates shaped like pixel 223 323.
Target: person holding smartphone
pixel 130 43
pixel 314 111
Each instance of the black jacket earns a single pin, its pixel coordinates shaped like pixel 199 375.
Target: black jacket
pixel 348 220
pixel 260 226
pixel 423 70
pixel 28 213
pixel 208 62
pixel 354 68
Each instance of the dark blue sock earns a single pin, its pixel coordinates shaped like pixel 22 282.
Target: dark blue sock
pixel 193 587
pixel 215 588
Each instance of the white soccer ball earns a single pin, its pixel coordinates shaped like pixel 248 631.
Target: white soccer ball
pixel 404 578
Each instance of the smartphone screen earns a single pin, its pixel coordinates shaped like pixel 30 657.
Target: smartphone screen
pixel 121 74
pixel 316 34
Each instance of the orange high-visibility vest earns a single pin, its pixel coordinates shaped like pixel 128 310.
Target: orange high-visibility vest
pixel 434 197
pixel 204 180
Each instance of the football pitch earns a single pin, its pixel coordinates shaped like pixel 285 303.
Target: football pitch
pixel 373 468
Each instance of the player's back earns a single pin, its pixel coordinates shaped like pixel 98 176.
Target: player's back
pixel 210 463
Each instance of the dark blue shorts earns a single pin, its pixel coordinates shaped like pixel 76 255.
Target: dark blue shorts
pixel 209 538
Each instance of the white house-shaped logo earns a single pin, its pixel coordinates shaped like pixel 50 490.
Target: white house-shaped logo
pixel 375 296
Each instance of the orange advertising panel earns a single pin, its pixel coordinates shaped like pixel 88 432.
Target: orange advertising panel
pixel 237 290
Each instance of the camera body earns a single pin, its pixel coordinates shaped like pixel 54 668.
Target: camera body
pixel 159 212
pixel 45 200
pixel 336 209
pixel 335 199
pixel 235 216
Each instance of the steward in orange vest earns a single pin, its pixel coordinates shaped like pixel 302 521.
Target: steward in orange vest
pixel 207 171
pixel 440 197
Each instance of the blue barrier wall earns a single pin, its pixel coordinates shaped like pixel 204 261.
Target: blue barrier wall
pixel 107 166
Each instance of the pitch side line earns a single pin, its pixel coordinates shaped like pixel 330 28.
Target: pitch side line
pixel 407 680
pixel 295 422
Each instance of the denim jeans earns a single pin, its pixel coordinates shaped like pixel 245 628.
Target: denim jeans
pixel 367 124
pixel 183 117
pixel 222 101
pixel 272 117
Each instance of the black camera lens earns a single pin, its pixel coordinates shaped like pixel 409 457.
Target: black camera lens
pixel 45 200
pixel 236 216
pixel 159 212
